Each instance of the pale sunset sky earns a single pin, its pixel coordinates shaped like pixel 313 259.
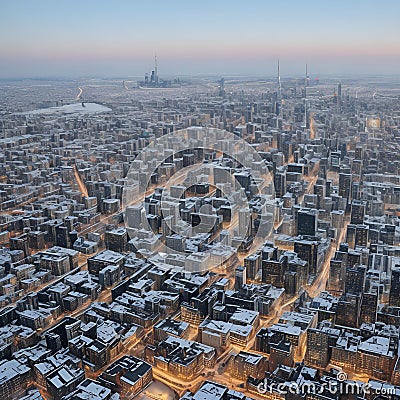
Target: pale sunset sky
pixel 56 38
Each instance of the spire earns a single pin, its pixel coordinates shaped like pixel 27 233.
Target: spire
pixel 306 75
pixel 305 97
pixel 279 96
pixel 279 77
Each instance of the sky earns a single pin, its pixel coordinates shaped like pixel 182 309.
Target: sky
pixel 119 38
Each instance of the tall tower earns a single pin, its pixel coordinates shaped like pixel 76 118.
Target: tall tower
pixel 307 77
pixel 279 81
pixel 305 98
pixel 279 97
pixel 155 69
pixel 339 96
pixel 222 87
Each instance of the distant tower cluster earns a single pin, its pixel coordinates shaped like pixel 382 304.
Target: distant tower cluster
pixel 154 76
pixel 154 80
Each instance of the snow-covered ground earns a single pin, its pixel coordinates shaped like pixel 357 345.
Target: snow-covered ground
pixel 76 108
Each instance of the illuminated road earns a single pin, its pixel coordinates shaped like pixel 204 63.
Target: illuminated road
pixel 81 184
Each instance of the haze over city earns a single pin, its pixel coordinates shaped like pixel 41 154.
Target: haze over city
pixel 47 38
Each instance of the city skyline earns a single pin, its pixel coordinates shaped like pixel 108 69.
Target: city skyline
pixel 47 39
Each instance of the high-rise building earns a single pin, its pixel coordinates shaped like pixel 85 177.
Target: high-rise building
pixel 308 250
pixel 221 91
pixel 369 305
pixel 358 209
pixel 240 277
pixel 245 222
pixel 300 267
pixel 291 282
pixel 359 152
pixel 355 186
pixel 355 279
pixel 351 235
pixel 280 183
pixel 135 216
pixel 320 191
pixel 281 353
pixel 353 258
pixel 104 259
pixel 244 179
pixel 272 271
pixel 176 242
pixel 62 237
pixel 376 358
pixel 344 351
pixel 253 265
pixel 246 364
pixel 63 381
pixel 344 185
pixel 394 295
pixel 128 375
pixel 319 343
pixel 109 275
pixel 348 310
pixel 58 263
pixel 53 341
pixel 337 218
pixel 335 280
pixel 362 235
pixel 335 160
pixel 14 375
pixel 307 222
pixel 116 240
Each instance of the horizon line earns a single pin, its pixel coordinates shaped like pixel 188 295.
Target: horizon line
pixel 201 75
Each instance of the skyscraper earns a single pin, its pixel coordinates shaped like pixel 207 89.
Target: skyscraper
pixel 307 250
pixel 240 277
pixel 348 310
pixel 358 208
pixel 355 279
pixel 253 265
pixel 394 296
pixel 335 282
pixel 245 222
pixel 369 305
pixel 319 342
pixel 280 183
pixel 344 185
pixel 307 222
